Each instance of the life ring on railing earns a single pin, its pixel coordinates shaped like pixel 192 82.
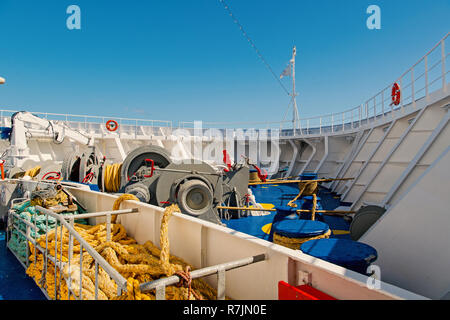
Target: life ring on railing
pixel 396 94
pixel 112 125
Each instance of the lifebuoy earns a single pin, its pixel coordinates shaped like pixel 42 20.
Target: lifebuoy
pixel 396 94
pixel 112 125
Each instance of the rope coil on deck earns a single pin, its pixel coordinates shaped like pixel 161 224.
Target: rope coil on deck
pixel 295 243
pixel 292 233
pixel 111 177
pixel 137 263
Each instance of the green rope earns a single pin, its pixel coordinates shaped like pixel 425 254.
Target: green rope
pixel 18 242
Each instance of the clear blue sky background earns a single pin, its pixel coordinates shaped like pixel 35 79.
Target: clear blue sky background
pixel 187 60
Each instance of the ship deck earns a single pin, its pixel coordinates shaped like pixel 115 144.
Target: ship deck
pixel 279 195
pixel 15 284
pixel 21 287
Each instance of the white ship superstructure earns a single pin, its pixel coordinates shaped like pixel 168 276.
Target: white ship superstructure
pixel 396 151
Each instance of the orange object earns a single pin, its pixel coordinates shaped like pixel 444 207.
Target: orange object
pixel 261 176
pixel 112 125
pixel 303 292
pixel 227 160
pixel 2 169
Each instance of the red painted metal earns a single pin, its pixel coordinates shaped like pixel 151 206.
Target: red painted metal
pixel 303 292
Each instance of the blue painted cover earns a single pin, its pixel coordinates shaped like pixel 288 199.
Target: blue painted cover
pixel 344 252
pixel 300 228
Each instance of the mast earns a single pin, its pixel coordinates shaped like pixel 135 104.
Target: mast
pixel 295 118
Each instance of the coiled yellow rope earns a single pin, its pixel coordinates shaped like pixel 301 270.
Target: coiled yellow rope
pixel 294 243
pixel 111 177
pixel 60 197
pixel 33 172
pixel 137 263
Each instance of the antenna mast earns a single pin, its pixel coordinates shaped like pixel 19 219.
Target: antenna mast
pixel 295 118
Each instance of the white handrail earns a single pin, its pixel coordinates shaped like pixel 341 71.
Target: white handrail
pixel 319 124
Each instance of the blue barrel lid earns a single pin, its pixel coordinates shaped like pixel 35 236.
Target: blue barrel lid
pixel 300 228
pixel 339 251
pixel 253 170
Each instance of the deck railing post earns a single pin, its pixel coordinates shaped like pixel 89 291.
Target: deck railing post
pixel 56 259
pixel 28 231
pixel 221 283
pixel 374 108
pixel 367 112
pixel 352 118
pixel 360 114
pixel 332 123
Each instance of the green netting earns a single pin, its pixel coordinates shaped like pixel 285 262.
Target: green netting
pixel 43 223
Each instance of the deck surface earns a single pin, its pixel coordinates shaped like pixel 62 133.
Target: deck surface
pixel 15 284
pixel 259 226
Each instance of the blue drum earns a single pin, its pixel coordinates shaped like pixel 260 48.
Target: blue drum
pixel 346 253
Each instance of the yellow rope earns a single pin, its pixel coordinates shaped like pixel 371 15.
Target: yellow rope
pixel 164 241
pixel 111 177
pixel 119 200
pixel 33 172
pixel 301 189
pixel 294 243
pixel 137 263
pixel 313 210
pixel 60 197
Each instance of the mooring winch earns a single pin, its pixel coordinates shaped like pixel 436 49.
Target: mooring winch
pixel 149 173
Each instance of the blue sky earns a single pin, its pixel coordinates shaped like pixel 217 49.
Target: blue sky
pixel 187 60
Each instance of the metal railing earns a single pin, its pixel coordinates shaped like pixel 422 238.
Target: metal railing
pixel 96 124
pixel 161 284
pixel 15 219
pixel 67 221
pixel 427 75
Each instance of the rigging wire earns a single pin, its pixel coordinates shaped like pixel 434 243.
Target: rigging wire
pixel 228 9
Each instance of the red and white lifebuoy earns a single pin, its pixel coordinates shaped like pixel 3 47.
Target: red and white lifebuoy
pixel 396 94
pixel 112 125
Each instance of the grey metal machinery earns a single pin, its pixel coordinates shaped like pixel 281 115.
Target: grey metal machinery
pixel 149 173
pixel 197 187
